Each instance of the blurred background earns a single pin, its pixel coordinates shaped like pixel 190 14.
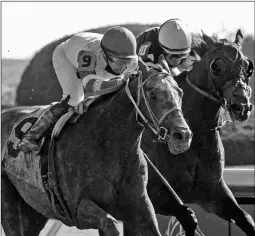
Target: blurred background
pixel 32 30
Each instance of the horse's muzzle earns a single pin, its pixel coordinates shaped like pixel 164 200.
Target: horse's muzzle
pixel 180 140
pixel 240 112
pixel 181 135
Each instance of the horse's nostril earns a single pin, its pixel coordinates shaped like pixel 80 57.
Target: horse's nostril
pixel 250 108
pixel 177 136
pixel 235 107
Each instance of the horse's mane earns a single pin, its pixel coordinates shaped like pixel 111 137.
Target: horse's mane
pixel 157 67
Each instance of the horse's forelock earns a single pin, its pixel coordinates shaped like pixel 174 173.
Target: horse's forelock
pixel 157 67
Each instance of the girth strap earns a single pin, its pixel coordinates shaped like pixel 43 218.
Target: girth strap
pixel 58 205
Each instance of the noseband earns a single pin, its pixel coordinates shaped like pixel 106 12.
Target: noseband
pixel 155 124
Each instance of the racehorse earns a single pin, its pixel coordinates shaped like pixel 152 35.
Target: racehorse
pixel 100 171
pixel 219 79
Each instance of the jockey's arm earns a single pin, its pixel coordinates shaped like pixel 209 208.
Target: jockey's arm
pixel 95 85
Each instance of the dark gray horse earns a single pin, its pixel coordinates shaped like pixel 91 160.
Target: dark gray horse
pixel 100 170
pixel 220 78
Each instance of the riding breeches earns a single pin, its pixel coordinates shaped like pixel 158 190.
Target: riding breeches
pixel 66 73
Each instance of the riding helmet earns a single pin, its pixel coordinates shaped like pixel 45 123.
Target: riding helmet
pixel 174 36
pixel 119 42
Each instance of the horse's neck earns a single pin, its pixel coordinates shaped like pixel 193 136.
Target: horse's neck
pixel 197 108
pixel 121 115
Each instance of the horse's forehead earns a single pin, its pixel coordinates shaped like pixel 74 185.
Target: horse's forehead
pixel 232 52
pixel 164 82
pixel 233 57
pixel 167 86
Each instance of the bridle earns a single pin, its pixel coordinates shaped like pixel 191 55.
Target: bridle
pixel 222 101
pixel 154 123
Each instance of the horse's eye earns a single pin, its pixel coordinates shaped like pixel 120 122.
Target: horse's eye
pixel 153 96
pixel 216 67
pixel 250 68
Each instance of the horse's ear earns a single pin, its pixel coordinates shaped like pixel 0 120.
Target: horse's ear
pixel 143 67
pixel 191 60
pixel 195 55
pixel 239 38
pixel 208 40
pixel 162 61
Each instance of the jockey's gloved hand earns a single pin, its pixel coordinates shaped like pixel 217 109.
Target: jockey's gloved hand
pixel 134 73
pixel 126 77
pixel 79 108
pixel 130 75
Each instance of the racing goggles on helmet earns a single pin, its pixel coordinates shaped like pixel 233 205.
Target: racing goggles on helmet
pixel 120 62
pixel 169 56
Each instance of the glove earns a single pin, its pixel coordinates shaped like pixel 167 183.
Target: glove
pixel 130 75
pixel 80 108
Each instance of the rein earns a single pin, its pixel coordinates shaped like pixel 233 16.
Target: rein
pixel 206 94
pixel 160 131
pixel 171 190
pixel 221 101
pixel 154 125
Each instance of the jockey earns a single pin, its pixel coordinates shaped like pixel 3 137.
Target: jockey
pixel 172 39
pixel 88 63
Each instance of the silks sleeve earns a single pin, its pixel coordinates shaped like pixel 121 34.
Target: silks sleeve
pixel 95 85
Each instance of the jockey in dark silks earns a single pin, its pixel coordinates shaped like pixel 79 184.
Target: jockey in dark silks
pixel 172 39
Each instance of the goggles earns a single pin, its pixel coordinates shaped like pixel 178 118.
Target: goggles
pixel 169 56
pixel 120 62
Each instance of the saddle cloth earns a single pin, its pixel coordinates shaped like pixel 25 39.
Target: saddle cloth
pixel 28 166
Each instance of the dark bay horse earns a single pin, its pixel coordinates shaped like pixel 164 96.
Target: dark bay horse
pixel 100 169
pixel 220 78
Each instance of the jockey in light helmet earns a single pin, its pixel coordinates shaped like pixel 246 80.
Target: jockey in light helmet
pixel 172 39
pixel 85 64
pixel 175 39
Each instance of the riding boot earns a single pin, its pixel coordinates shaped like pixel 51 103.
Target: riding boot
pixel 30 140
